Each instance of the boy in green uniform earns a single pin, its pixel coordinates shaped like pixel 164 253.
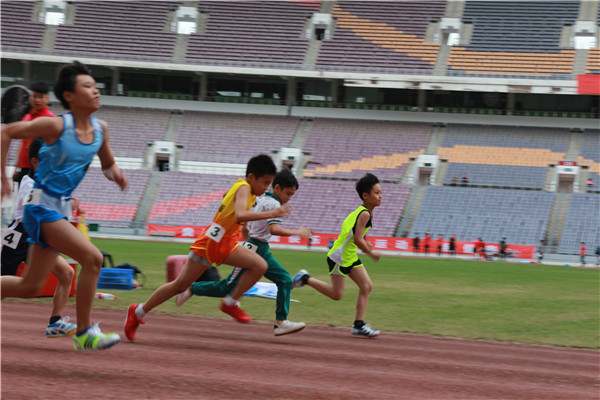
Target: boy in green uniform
pixel 285 185
pixel 343 260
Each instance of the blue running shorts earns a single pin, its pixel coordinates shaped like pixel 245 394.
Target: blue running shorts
pixel 33 217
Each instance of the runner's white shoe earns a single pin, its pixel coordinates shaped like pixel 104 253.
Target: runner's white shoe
pixel 287 327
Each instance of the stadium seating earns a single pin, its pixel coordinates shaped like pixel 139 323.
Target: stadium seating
pixel 19 29
pixel 515 38
pixel 381 34
pixel 487 213
pixel 104 203
pixel 131 129
pixel 593 61
pixel 188 198
pixel 581 224
pixel 348 148
pixel 119 29
pixel 322 205
pixel 209 136
pixel 497 175
pixel 502 156
pixel 242 31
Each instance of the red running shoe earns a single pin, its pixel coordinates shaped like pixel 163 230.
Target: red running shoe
pixel 236 312
pixel 132 322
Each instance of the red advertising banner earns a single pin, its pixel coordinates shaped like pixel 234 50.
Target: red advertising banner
pixel 588 84
pixel 567 163
pixel 378 243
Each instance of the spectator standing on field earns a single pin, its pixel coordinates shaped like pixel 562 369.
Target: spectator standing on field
pixel 452 245
pixel 582 251
pixel 503 248
pixel 38 99
pixel 540 252
pixel 416 243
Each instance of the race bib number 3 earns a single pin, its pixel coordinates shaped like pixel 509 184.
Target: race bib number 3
pixel 33 197
pixel 250 246
pixel 215 232
pixel 11 238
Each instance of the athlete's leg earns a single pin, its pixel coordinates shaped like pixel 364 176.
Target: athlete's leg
pixel 278 275
pixel 360 276
pixel 254 265
pixel 334 291
pixel 65 238
pixel 39 264
pixel 192 269
pixel 217 288
pixel 65 273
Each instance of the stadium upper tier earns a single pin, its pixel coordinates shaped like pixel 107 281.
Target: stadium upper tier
pixel 257 31
pixel 382 34
pixel 518 38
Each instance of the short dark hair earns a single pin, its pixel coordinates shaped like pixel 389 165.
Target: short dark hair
pixel 39 87
pixel 261 165
pixel 365 184
pixel 34 147
pixel 66 80
pixel 285 179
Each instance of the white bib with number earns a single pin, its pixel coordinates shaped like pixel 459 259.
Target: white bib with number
pixel 11 238
pixel 250 246
pixel 33 197
pixel 215 232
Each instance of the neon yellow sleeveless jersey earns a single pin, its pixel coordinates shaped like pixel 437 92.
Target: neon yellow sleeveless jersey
pixel 344 249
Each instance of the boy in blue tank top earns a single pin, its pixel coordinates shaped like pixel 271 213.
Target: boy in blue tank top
pixel 343 259
pixel 70 143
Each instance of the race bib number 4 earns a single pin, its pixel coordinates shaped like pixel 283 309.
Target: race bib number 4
pixel 215 232
pixel 11 239
pixel 33 197
pixel 250 246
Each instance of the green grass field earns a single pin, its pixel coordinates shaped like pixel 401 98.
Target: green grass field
pixel 523 303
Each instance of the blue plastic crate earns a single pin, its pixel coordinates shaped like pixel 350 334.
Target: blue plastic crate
pixel 115 278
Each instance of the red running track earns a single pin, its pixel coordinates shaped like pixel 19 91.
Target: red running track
pixel 188 357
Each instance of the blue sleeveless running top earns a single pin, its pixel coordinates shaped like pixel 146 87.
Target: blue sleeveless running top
pixel 63 163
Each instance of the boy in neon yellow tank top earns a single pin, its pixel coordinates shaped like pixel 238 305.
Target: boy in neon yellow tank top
pixel 218 244
pixel 343 260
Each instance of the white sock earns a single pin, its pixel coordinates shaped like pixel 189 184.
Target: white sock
pixel 229 301
pixel 139 311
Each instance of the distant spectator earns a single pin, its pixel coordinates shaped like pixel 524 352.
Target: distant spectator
pixel 598 255
pixel 440 245
pixel 503 248
pixel 582 250
pixel 416 243
pixel 427 243
pixel 464 181
pixel 589 183
pixel 454 181
pixel 480 249
pixel 452 245
pixel 539 251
